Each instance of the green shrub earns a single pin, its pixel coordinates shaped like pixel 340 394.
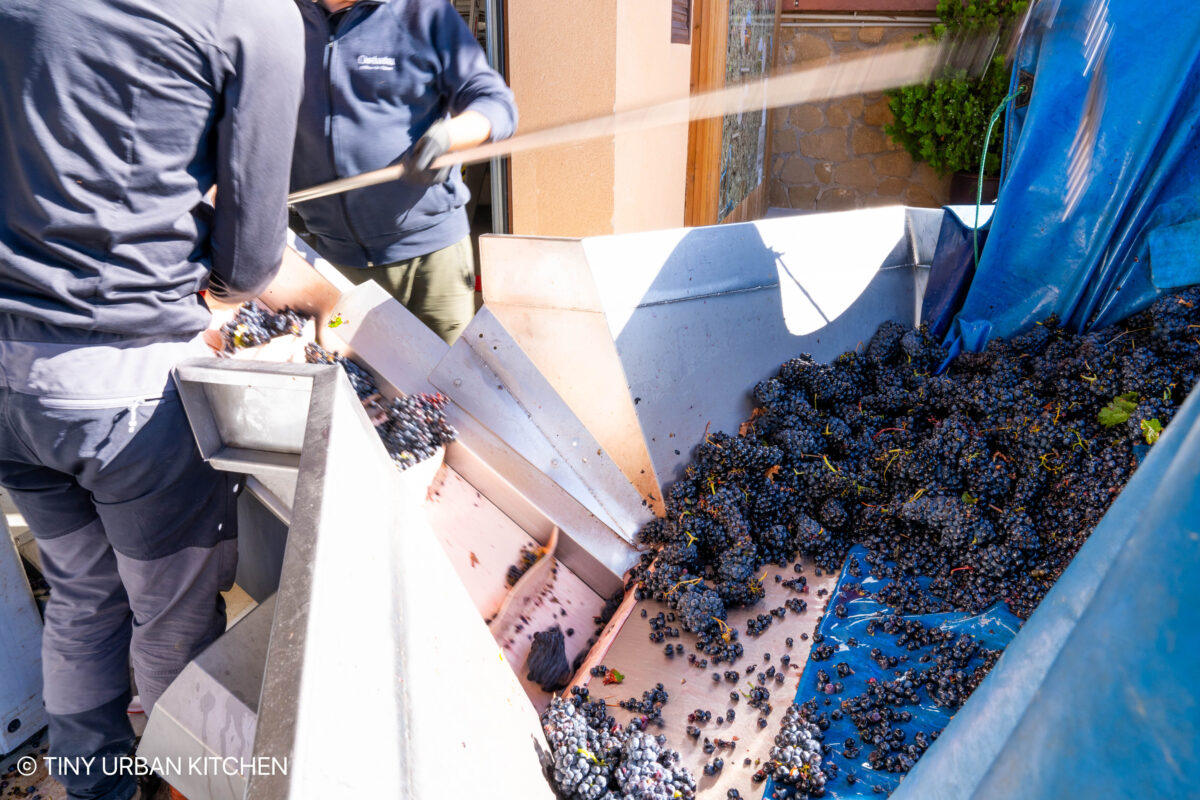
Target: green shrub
pixel 944 122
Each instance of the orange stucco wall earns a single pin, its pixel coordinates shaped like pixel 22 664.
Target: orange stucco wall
pixel 650 167
pixel 570 61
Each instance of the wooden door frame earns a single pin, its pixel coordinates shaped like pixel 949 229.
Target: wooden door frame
pixel 710 35
pixel 710 43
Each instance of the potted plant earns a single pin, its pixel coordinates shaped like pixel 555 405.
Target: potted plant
pixel 944 122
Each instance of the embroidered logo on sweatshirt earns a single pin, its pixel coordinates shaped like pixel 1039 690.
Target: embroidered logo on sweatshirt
pixel 376 62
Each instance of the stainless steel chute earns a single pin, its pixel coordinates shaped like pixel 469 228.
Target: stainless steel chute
pixel 578 391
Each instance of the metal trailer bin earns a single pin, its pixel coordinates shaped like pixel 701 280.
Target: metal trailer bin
pixel 578 390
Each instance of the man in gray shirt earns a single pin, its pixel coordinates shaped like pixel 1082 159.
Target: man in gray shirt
pixel 116 119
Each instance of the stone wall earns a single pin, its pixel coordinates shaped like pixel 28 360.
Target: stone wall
pixel 834 155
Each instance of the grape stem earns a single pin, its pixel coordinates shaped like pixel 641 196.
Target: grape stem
pixel 683 583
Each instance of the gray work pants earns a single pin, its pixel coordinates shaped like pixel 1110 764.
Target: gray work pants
pixel 137 537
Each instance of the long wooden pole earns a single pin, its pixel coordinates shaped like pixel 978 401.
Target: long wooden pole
pixel 870 71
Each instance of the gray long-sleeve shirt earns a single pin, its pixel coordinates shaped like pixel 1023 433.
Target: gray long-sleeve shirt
pixel 116 118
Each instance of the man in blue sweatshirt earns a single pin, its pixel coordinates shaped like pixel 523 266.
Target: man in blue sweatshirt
pixel 116 119
pixel 390 81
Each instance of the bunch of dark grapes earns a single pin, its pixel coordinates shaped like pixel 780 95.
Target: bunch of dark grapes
pixel 416 427
pixel 253 325
pixel 649 771
pixel 528 557
pixel 649 708
pixel 413 426
pixel 982 481
pixel 699 607
pixel 584 744
pixel 594 758
pixel 361 380
pixel 795 759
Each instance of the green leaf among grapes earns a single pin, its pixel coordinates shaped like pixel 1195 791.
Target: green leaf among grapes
pixel 1153 429
pixel 1119 410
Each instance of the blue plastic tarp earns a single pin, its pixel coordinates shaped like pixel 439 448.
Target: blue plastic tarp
pixel 994 629
pixel 953 266
pixel 1134 234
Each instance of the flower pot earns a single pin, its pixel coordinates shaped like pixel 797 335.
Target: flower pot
pixel 965 185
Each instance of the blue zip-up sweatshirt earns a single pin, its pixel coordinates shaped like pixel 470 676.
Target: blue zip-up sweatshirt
pixel 116 118
pixel 372 87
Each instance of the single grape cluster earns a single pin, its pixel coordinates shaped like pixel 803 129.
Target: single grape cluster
pixel 253 324
pixel 594 758
pixel 413 427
